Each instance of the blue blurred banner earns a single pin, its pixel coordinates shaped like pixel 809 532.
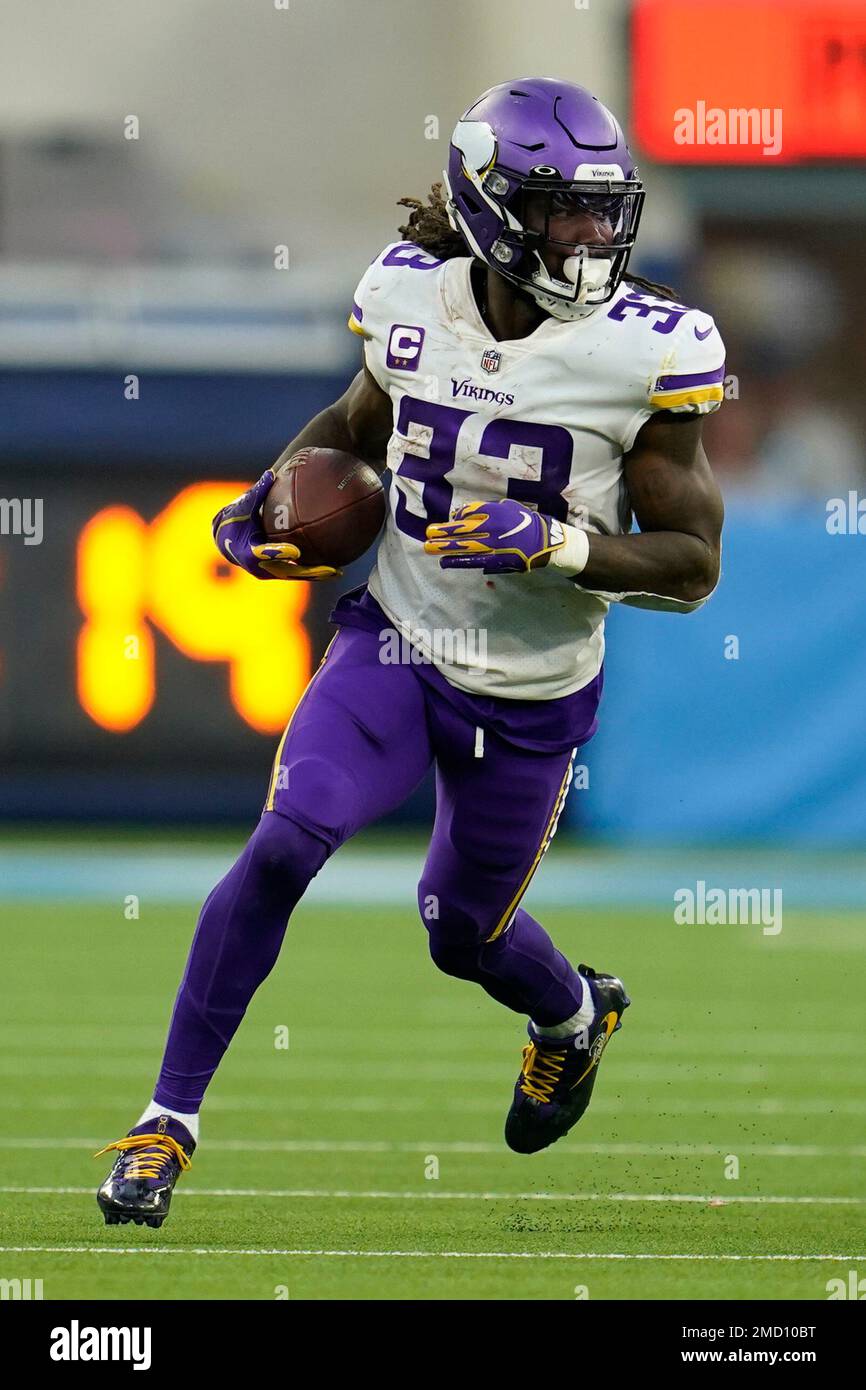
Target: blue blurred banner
pixel 86 419
pixel 758 738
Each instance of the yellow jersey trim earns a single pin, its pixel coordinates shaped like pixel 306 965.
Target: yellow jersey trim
pixel 699 397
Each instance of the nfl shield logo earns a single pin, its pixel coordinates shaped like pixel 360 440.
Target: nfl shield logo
pixel 490 360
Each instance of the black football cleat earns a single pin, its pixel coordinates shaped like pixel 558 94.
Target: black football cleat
pixel 149 1162
pixel 555 1083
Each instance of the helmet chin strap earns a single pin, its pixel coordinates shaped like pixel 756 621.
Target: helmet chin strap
pixel 564 309
pixel 582 270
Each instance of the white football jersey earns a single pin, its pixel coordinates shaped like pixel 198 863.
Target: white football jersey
pixel 544 419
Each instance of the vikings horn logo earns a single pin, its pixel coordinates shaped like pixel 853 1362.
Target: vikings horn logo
pixel 477 145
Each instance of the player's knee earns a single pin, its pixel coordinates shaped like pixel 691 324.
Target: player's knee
pixel 455 936
pixel 464 923
pixel 454 958
pixel 283 857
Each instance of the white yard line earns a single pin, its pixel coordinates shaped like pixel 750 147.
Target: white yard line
pixel 407 1254
pixel 375 1146
pixel 425 1195
pixel 407 1105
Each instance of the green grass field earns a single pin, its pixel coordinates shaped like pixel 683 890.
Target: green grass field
pixel 312 1174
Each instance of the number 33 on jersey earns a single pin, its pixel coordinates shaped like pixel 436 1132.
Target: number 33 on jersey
pixel 544 420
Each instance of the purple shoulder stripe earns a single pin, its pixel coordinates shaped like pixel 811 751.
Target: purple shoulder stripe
pixel 680 381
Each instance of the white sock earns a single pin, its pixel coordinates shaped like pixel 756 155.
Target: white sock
pixel 582 1019
pixel 153 1111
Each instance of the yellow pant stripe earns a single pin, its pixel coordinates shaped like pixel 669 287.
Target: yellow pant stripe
pixel 545 841
pixel 272 784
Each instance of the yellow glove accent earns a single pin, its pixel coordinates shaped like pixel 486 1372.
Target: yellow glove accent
pixel 466 521
pixel 279 557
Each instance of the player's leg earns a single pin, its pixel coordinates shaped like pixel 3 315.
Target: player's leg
pixel 496 814
pixel 355 748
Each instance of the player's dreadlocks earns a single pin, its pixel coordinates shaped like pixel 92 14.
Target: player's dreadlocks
pixel 429 228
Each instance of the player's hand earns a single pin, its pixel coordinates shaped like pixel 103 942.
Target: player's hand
pixel 240 539
pixel 496 537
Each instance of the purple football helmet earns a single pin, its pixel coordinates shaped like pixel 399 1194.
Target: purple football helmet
pixel 528 154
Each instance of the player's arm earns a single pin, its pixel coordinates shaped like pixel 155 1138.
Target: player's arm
pixel 675 555
pixel 678 507
pixel 358 423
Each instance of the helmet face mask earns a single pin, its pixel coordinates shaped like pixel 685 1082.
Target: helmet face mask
pixel 577 238
pixel 560 231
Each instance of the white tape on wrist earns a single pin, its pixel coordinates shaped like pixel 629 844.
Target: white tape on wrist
pixel 572 557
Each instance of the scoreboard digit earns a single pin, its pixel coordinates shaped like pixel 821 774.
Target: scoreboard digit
pixel 133 577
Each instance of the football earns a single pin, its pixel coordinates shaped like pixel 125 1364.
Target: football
pixel 328 503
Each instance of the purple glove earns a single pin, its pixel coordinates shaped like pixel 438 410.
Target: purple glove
pixel 240 539
pixel 496 537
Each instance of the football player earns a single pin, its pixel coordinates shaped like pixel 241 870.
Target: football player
pixel 530 398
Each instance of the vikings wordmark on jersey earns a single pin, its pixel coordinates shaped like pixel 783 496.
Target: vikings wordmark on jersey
pixel 545 420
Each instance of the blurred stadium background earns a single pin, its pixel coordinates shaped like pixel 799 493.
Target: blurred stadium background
pixel 152 356
pixel 157 163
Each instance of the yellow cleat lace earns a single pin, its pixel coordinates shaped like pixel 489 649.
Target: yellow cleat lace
pixel 156 1150
pixel 541 1071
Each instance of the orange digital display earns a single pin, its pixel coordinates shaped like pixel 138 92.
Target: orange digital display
pixel 749 81
pixel 133 576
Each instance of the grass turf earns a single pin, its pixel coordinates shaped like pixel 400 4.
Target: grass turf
pixel 739 1049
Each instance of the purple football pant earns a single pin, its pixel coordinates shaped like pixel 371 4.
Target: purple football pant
pixel 359 742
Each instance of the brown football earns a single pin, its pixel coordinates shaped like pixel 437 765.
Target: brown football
pixel 329 504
